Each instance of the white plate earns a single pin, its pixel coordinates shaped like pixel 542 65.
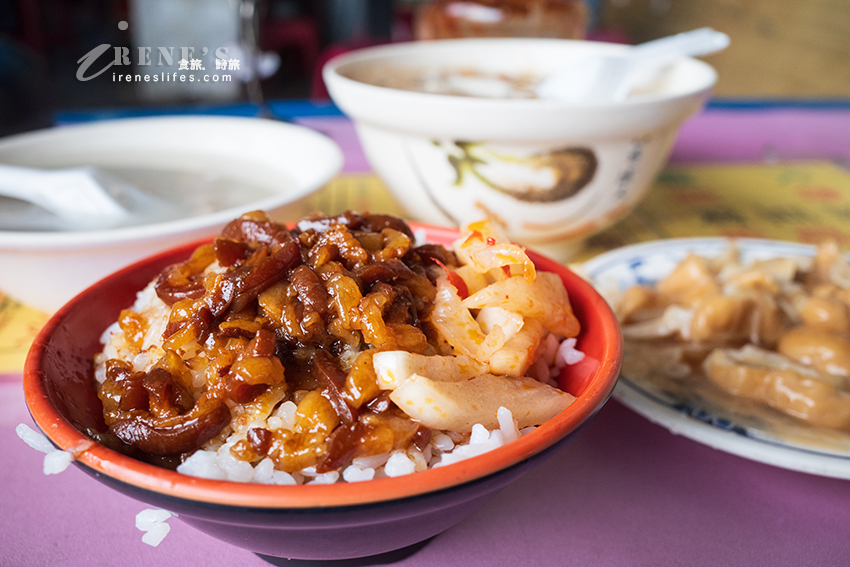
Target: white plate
pixel 46 268
pixel 648 262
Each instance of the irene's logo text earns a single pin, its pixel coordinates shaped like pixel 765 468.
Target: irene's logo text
pixel 149 58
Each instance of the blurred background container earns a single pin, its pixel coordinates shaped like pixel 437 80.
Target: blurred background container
pixel 454 19
pixel 164 23
pixel 780 48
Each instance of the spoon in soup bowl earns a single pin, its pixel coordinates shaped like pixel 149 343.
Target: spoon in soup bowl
pixel 79 197
pixel 611 77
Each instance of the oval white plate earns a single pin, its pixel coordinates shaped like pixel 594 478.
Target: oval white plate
pixel 648 262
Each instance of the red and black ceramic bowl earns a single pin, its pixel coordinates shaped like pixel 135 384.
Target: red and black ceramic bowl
pixel 336 521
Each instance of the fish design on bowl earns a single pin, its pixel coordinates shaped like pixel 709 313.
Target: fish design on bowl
pixel 541 177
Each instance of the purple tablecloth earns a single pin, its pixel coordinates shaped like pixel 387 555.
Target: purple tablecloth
pixel 624 492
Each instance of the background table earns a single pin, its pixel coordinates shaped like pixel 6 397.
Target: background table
pixel 624 492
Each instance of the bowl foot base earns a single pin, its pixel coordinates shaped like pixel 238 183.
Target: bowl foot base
pixel 387 558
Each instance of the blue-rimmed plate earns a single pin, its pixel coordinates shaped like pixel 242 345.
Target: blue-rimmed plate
pixel 797 447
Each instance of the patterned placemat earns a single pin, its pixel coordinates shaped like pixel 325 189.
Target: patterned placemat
pixel 19 325
pixel 803 202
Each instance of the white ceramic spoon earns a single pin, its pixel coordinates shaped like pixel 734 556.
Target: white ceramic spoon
pixel 80 197
pixel 609 78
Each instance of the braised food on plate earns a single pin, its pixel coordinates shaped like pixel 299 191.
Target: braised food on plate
pixel 765 343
